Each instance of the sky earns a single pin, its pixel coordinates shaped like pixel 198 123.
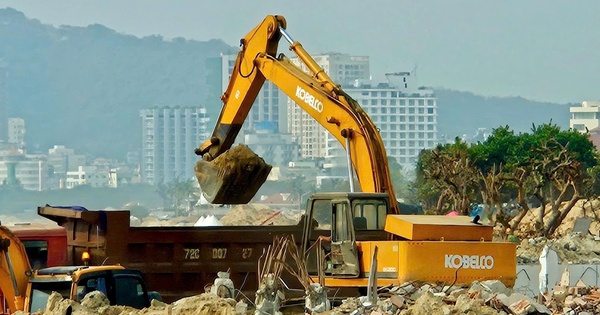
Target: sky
pixel 540 50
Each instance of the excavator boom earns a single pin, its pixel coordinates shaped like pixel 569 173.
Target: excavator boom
pixel 314 92
pixel 14 269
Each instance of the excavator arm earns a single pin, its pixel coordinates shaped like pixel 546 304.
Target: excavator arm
pixel 14 269
pixel 314 92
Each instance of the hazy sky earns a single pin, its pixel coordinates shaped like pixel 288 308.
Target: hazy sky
pixel 542 50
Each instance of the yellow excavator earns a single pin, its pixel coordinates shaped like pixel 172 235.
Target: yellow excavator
pixel 27 290
pixel 359 224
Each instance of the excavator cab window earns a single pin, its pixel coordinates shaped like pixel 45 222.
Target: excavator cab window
pixel 322 214
pixel 340 217
pixel 369 214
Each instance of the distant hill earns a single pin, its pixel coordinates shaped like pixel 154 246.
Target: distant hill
pixel 83 86
pixel 461 113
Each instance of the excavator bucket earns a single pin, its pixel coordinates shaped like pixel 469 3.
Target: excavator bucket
pixel 233 177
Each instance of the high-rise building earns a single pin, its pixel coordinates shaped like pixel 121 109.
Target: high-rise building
pixel 169 138
pixel 405 116
pixel 585 117
pixel 16 131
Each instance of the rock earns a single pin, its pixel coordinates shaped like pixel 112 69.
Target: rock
pixel 428 304
pixel 522 304
pixel 405 288
pixel 420 291
pixel 458 292
pixel 203 304
pixel 95 300
pixel 157 304
pixel 522 307
pixel 495 286
pixel 398 301
pixel 53 300
pixel 466 305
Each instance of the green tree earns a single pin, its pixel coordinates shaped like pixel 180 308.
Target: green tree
pixel 555 168
pixel 449 170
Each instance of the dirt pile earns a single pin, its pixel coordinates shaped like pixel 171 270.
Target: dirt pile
pixel 233 177
pixel 96 303
pixel 255 214
pixel 176 221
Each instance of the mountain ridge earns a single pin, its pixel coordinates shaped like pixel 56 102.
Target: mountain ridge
pixel 83 87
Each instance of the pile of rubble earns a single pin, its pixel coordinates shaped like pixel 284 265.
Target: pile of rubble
pixel 487 297
pixel 576 248
pixel 582 209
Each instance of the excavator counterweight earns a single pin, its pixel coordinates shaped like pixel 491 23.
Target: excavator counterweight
pixel 233 177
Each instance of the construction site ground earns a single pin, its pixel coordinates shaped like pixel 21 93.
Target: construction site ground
pixel 571 296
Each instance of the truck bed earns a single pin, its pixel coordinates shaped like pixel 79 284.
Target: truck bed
pixel 176 261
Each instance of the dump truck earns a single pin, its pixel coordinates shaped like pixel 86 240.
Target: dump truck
pixel 426 248
pixel 177 261
pixel 27 289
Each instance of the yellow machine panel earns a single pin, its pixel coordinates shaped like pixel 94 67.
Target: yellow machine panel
pixel 437 227
pixel 458 262
pixel 387 258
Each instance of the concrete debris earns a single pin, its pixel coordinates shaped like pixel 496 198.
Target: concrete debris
pixel 268 296
pixel 485 297
pixel 572 248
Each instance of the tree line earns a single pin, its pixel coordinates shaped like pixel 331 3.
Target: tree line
pixel 510 174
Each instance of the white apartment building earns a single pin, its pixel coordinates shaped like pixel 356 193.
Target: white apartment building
pixel 269 105
pixel 585 117
pixel 31 171
pixel 405 115
pixel 92 176
pixel 169 138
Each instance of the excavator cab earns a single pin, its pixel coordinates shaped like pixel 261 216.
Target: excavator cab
pixel 343 217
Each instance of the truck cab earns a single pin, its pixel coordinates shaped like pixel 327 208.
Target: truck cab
pixel 121 286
